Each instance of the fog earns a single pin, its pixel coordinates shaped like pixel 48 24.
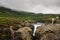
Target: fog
pixel 37 6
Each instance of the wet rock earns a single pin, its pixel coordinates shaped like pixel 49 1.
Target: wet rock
pixel 48 32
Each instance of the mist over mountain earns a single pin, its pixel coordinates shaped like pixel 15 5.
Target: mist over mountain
pixel 36 6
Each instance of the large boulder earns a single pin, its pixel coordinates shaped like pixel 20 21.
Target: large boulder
pixel 48 32
pixel 24 33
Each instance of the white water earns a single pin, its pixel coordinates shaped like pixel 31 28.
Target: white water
pixel 35 27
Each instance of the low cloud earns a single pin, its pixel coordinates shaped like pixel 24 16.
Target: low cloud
pixel 37 6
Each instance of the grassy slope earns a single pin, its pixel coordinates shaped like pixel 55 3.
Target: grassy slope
pixel 8 13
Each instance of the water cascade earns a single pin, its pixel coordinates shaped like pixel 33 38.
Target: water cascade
pixel 35 27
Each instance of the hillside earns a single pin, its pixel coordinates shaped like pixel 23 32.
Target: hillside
pixel 6 12
pixel 13 13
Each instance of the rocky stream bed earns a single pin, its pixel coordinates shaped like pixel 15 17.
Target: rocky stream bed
pixel 24 31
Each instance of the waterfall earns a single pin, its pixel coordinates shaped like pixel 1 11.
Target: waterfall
pixel 35 27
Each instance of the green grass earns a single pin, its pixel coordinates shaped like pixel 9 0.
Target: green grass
pixel 9 14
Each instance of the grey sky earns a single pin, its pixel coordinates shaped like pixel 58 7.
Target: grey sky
pixel 37 6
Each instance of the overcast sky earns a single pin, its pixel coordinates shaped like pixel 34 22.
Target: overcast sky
pixel 37 6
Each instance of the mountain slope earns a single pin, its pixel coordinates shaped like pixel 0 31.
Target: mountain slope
pixel 6 12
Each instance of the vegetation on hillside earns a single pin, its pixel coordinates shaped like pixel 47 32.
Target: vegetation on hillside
pixel 22 15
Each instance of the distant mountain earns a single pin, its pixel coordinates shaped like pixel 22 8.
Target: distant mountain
pixel 6 12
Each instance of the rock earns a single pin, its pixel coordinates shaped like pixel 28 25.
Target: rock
pixel 27 25
pixel 48 32
pixel 25 33
pixel 16 27
pixel 5 34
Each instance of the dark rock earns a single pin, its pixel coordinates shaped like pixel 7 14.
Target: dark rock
pixel 48 32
